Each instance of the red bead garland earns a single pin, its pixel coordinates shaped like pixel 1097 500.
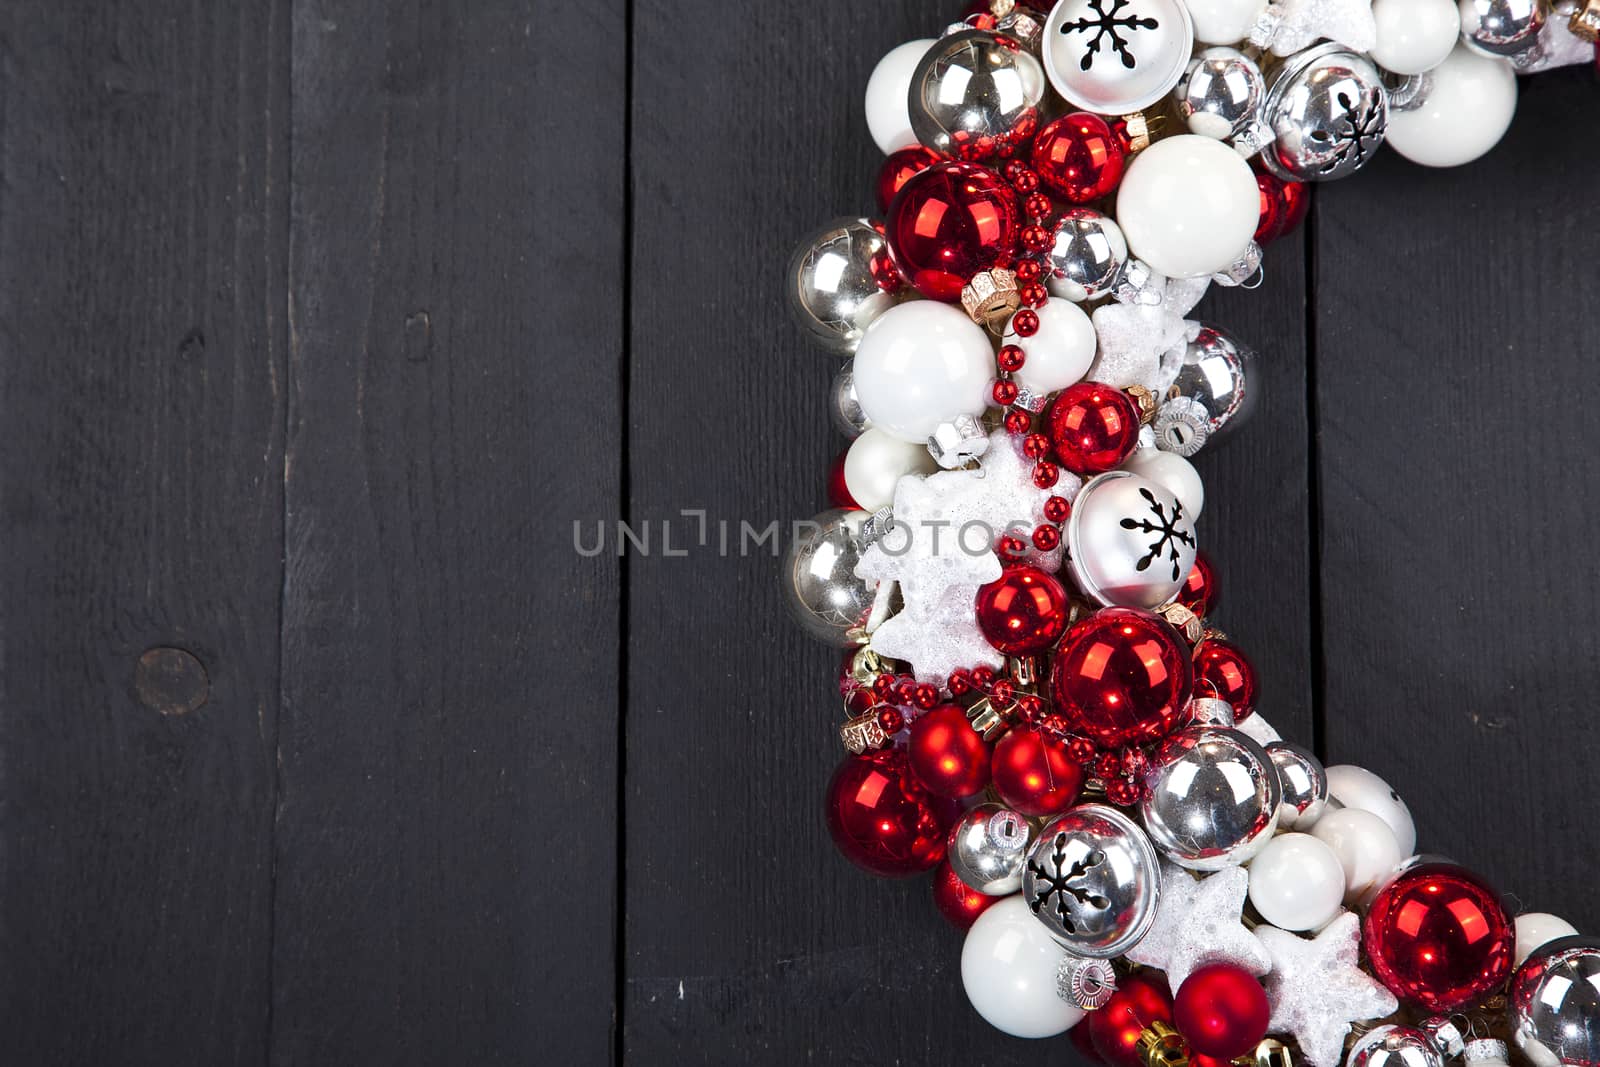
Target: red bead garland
pixel 882 819
pixel 1122 677
pixel 1221 1010
pixel 1439 938
pixel 949 222
pixel 1094 427
pixel 946 753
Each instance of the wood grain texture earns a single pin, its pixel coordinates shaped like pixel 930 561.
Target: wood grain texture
pixel 143 185
pixel 445 843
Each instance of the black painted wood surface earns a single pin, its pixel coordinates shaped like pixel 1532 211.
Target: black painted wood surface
pixel 322 324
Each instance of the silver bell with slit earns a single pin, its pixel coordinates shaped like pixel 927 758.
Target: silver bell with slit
pixel 1093 879
pixel 1328 110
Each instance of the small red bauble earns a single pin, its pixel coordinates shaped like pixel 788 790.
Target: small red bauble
pixel 1094 427
pixel 1058 509
pixel 1122 677
pixel 1296 197
pixel 1017 422
pixel 1439 938
pixel 1221 1010
pixel 1269 223
pixel 949 222
pixel 956 900
pixel 1034 774
pixel 899 168
pixel 1010 358
pixel 1221 670
pixel 838 492
pixel 882 819
pixel 1114 1030
pixel 1046 538
pixel 1079 158
pixel 1023 611
pixel 946 753
pixel 1199 592
pixel 1083 1041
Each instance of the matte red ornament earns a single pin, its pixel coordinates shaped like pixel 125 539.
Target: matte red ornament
pixel 1094 427
pixel 1022 612
pixel 1122 677
pixel 882 819
pixel 1114 1030
pixel 1222 670
pixel 1439 938
pixel 838 492
pixel 1221 1010
pixel 899 168
pixel 1199 592
pixel 946 753
pixel 956 900
pixel 949 222
pixel 1034 774
pixel 1079 158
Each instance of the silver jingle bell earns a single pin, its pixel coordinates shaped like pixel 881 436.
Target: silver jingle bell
pixel 1218 387
pixel 832 291
pixel 1221 95
pixel 1211 798
pixel 975 95
pixel 1116 56
pixel 1501 27
pixel 1093 879
pixel 1328 109
pixel 988 847
pixel 820 585
pixel 844 407
pixel 1555 1003
pixel 1129 542
pixel 1303 782
pixel 1393 1046
pixel 1086 255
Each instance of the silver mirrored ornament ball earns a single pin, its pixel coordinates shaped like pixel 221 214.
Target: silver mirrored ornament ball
pixel 1093 879
pixel 1086 255
pixel 1555 1003
pixel 974 95
pixel 1501 27
pixel 1214 393
pixel 1211 798
pixel 832 290
pixel 1116 56
pixel 1221 95
pixel 988 848
pixel 820 585
pixel 1327 109
pixel 1129 541
pixel 1303 782
pixel 1393 1046
pixel 844 407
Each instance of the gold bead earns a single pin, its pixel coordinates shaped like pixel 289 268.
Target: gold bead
pixel 991 298
pixel 1585 22
pixel 1162 1046
pixel 862 734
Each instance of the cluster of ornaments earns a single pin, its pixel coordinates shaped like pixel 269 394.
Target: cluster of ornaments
pixel 1038 709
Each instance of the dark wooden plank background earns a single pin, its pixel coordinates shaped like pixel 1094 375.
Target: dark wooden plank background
pixel 322 323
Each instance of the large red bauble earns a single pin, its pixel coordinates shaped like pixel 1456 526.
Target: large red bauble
pixel 1083 1041
pixel 1221 670
pixel 898 168
pixel 949 222
pixel 956 900
pixel 1034 774
pixel 1221 1010
pixel 1114 1030
pixel 882 820
pixel 1024 611
pixel 1094 427
pixel 1079 158
pixel 946 753
pixel 1122 677
pixel 1439 937
pixel 1199 592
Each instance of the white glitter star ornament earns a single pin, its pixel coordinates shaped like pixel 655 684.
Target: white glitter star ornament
pixel 1139 345
pixel 1316 990
pixel 1197 922
pixel 1304 22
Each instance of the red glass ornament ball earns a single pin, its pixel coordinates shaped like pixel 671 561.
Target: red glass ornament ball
pixel 1079 158
pixel 838 492
pixel 1222 670
pixel 881 817
pixel 1083 1041
pixel 956 900
pixel 949 222
pixel 1122 677
pixel 1199 592
pixel 1296 197
pixel 899 168
pixel 947 755
pixel 1269 223
pixel 1221 1010
pixel 1439 938
pixel 1034 774
pixel 1022 612
pixel 1094 427
pixel 1114 1030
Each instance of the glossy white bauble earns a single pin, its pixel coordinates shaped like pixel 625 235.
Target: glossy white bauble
pixel 1060 352
pixel 1364 845
pixel 1009 965
pixel 1188 206
pixel 1468 106
pixel 920 364
pixel 1297 882
pixel 875 464
pixel 1357 787
pixel 1224 21
pixel 1537 929
pixel 1414 35
pixel 889 93
pixel 1173 473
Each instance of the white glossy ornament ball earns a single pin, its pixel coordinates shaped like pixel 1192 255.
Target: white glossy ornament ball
pixel 1537 929
pixel 875 464
pixel 920 364
pixel 1466 110
pixel 1224 21
pixel 1364 845
pixel 1414 35
pixel 1008 965
pixel 1173 473
pixel 1060 353
pixel 1357 787
pixel 1297 882
pixel 1188 206
pixel 889 95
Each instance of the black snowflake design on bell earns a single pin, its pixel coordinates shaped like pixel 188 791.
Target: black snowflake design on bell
pixel 1168 534
pixel 1109 25
pixel 1060 880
